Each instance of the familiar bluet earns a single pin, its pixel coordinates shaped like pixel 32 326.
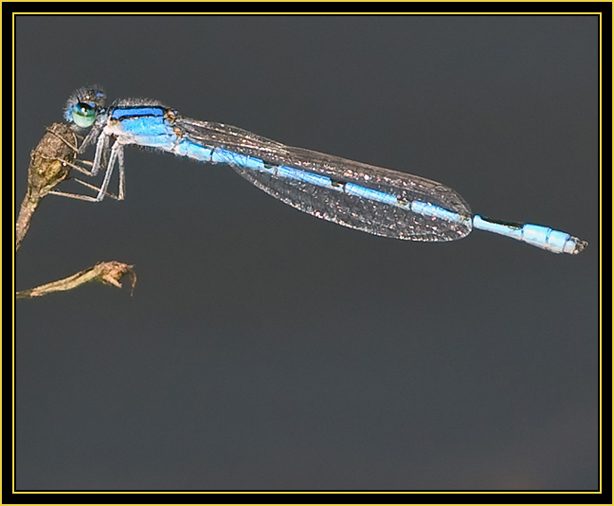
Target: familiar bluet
pixel 360 196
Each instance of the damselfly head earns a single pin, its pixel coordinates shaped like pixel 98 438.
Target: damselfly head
pixel 84 106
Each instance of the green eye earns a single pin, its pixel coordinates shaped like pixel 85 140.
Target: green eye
pixel 83 115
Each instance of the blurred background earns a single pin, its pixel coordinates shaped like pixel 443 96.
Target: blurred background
pixel 264 349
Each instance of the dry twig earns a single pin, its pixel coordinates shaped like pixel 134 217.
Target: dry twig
pixel 46 170
pixel 109 273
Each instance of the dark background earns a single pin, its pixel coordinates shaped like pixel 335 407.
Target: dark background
pixel 265 349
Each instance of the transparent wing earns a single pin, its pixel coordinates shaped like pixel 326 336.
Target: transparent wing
pixel 353 194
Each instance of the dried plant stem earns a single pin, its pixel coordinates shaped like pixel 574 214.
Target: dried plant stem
pixel 109 273
pixel 46 170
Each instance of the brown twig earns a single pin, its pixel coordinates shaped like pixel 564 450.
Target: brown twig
pixel 108 273
pixel 46 170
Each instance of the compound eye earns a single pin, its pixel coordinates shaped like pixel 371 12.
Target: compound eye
pixel 83 115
